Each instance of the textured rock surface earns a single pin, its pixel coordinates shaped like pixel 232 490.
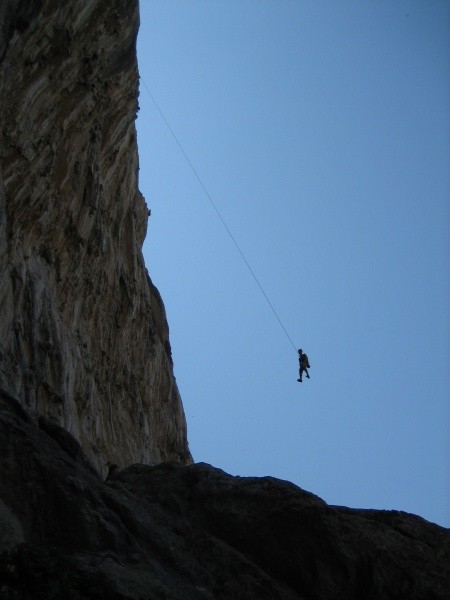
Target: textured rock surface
pixel 185 532
pixel 83 334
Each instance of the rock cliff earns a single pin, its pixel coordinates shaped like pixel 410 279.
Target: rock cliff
pixel 192 532
pixel 86 372
pixel 83 334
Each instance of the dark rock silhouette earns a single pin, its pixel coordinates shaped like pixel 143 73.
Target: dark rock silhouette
pixel 182 532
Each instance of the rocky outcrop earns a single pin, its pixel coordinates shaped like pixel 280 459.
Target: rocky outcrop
pixel 86 378
pixel 193 532
pixel 83 334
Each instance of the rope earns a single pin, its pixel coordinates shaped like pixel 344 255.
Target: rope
pixel 213 204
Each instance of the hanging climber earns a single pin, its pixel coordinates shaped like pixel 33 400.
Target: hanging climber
pixel 304 364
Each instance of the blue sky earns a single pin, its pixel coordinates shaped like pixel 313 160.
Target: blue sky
pixel 320 129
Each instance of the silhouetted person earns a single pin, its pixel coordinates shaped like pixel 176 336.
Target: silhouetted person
pixel 304 364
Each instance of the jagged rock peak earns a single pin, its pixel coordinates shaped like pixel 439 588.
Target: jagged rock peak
pixel 84 339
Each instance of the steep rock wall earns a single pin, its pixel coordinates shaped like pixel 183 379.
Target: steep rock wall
pixel 83 333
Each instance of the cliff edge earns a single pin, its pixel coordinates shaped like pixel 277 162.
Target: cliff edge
pixel 83 334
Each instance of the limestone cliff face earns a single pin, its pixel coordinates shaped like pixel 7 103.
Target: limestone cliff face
pixel 83 333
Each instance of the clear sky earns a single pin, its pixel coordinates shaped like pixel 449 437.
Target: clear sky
pixel 320 129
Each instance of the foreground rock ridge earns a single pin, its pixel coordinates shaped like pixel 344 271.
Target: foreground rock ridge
pixel 83 334
pixel 192 532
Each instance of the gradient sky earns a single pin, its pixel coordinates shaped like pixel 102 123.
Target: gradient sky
pixel 320 129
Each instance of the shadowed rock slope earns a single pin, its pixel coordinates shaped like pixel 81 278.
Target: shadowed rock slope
pixel 83 333
pixel 193 532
